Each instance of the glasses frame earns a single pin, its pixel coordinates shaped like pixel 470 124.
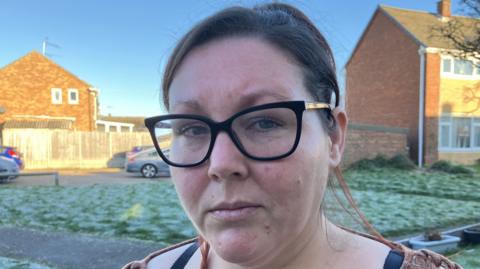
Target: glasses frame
pixel 216 127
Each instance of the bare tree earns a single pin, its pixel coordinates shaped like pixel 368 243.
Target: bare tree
pixel 471 95
pixel 464 34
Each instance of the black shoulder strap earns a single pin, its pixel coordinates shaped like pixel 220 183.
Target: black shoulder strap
pixel 185 257
pixel 394 260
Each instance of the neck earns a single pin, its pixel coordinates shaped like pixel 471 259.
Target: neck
pixel 313 248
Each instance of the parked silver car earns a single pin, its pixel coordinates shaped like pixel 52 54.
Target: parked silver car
pixel 148 163
pixel 7 166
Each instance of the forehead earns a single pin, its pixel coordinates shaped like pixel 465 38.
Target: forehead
pixel 233 73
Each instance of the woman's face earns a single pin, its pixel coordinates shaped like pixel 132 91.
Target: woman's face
pixel 249 211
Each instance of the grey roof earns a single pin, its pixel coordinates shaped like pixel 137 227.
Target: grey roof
pixel 38 124
pixel 420 24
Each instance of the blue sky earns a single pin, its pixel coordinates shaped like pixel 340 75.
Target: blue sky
pixel 121 46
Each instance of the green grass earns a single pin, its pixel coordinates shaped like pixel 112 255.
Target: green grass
pixel 8 263
pixel 149 211
pixel 395 214
pixel 419 182
pixel 468 257
pixel 397 203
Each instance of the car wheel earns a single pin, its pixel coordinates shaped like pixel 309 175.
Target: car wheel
pixel 149 171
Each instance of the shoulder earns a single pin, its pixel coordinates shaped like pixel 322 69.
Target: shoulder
pixel 163 258
pixel 412 259
pixel 426 259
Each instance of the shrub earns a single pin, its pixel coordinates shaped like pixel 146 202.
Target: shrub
pixel 398 161
pixel 447 167
pixel 401 161
pixel 363 164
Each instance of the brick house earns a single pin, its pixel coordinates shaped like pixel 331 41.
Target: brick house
pixel 35 92
pixel 402 75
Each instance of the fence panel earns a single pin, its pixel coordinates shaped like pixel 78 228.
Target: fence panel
pixel 53 149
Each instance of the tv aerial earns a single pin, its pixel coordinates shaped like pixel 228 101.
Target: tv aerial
pixel 47 44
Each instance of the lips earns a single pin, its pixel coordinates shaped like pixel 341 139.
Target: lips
pixel 236 211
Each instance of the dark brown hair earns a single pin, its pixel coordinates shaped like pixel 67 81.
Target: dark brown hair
pixel 282 26
pixel 289 30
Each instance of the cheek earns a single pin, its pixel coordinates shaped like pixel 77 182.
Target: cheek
pixel 189 186
pixel 299 181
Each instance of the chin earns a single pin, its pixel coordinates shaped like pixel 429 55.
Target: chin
pixel 238 246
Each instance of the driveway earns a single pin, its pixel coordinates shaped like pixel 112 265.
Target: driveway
pixel 81 177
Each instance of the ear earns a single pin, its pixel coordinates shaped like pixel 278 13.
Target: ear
pixel 337 138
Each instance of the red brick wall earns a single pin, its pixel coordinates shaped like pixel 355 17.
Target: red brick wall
pixel 368 142
pixel 25 89
pixel 432 102
pixel 382 81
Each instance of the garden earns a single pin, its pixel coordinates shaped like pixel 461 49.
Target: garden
pixel 397 200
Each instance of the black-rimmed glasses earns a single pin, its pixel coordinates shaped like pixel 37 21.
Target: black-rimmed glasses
pixel 264 133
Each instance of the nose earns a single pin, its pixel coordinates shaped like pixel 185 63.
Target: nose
pixel 226 161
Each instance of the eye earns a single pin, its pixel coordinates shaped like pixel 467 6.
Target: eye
pixel 190 128
pixel 263 124
pixel 193 130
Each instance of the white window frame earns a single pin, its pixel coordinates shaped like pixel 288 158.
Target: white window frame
pixel 56 101
pixel 474 76
pixel 70 101
pixel 450 124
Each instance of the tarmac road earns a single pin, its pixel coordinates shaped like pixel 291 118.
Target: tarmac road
pixel 81 177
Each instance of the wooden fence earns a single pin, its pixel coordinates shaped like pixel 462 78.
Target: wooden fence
pixel 54 149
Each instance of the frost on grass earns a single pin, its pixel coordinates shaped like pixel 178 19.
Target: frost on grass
pixel 403 202
pixel 396 202
pixel 8 263
pixel 149 211
pixel 468 257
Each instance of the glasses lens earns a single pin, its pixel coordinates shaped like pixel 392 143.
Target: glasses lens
pixel 189 139
pixel 266 133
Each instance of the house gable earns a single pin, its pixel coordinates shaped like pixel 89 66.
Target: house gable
pixel 382 77
pixel 26 86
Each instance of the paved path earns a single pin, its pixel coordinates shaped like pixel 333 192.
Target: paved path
pixel 70 251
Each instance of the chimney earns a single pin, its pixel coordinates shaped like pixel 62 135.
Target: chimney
pixel 443 8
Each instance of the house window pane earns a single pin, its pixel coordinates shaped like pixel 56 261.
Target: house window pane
pixel 445 136
pixel 73 96
pixel 476 136
pixel 56 95
pixel 461 132
pixel 445 119
pixel 463 67
pixel 112 129
pixel 447 65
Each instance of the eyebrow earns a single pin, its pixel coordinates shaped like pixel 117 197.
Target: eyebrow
pixel 245 100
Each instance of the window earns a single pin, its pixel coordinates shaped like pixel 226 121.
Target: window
pixel 444 132
pixel 56 96
pixel 447 65
pixel 73 96
pixel 463 67
pixel 459 133
pixel 460 68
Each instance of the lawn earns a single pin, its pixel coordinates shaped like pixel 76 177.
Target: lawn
pixel 468 257
pixel 143 211
pixel 8 263
pixel 397 203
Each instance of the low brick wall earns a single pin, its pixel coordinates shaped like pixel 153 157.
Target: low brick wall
pixel 367 141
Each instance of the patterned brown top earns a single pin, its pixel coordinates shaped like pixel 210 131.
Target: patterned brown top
pixel 414 259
